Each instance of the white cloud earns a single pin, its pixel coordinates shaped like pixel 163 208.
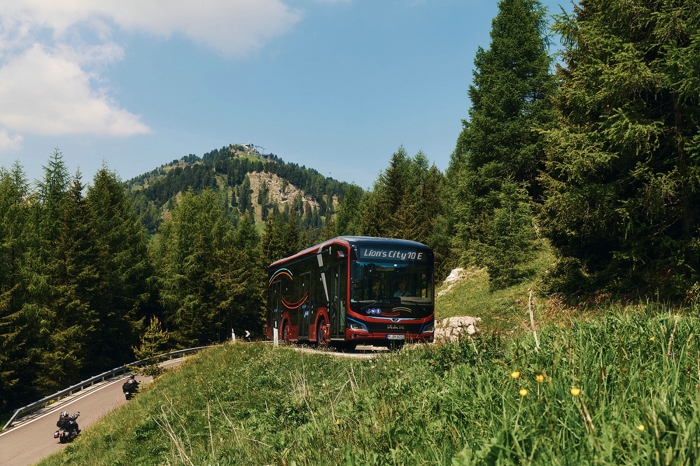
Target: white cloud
pixel 48 68
pixel 49 94
pixel 232 27
pixel 8 142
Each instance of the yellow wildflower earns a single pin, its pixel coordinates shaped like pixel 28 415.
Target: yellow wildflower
pixel 540 378
pixel 523 392
pixel 651 339
pixel 515 374
pixel 640 427
pixel 576 391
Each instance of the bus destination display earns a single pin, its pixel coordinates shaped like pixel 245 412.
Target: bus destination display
pixel 391 254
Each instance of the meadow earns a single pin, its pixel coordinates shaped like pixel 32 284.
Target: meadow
pixel 620 389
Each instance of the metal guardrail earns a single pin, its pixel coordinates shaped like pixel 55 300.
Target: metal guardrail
pixel 91 381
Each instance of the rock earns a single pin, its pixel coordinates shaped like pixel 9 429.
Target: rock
pixel 452 328
pixel 454 275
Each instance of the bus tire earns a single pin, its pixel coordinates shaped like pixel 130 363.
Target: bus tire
pixel 285 333
pixel 321 332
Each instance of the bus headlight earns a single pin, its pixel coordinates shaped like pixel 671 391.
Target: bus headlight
pixel 356 325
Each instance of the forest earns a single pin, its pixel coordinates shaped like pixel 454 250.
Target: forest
pixel 593 151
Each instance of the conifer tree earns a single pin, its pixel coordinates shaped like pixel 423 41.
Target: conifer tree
pixel 349 212
pixel 292 237
pixel 208 283
pixel 153 343
pixel 122 267
pixel 18 327
pixel 73 277
pixel 622 199
pixel 500 143
pixel 272 242
pixel 249 314
pixel 371 220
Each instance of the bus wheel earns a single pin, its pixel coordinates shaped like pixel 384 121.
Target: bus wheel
pixel 285 333
pixel 321 332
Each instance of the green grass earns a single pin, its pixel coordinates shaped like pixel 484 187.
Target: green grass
pixel 452 404
pixel 501 310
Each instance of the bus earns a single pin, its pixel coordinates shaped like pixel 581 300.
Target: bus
pixel 353 290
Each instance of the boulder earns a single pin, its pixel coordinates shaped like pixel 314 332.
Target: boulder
pixel 452 328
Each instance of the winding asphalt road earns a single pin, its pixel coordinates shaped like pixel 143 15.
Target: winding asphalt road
pixel 31 438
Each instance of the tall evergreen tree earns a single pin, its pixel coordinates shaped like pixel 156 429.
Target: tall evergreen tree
pixel 349 213
pixel 501 143
pixel 18 326
pixel 123 268
pixel 292 237
pixel 207 283
pixel 272 242
pixel 73 277
pixel 622 181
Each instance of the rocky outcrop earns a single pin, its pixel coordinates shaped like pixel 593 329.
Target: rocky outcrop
pixel 452 328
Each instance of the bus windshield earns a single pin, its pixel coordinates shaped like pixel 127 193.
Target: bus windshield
pixel 386 281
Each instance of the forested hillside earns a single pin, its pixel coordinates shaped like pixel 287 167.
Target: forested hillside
pixel 595 158
pixel 246 181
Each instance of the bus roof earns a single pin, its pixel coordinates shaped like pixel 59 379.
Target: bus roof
pixel 351 241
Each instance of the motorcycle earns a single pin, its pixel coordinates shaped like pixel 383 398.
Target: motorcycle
pixel 130 388
pixel 67 427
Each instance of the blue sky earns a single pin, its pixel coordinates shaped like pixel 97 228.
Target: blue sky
pixel 336 85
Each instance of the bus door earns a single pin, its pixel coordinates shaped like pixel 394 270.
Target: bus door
pixel 338 289
pixel 305 313
pixel 275 305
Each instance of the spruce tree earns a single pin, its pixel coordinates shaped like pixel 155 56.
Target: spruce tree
pixel 153 343
pixel 500 143
pixel 123 268
pixel 348 215
pixel 272 242
pixel 208 283
pixel 622 199
pixel 73 276
pixel 19 327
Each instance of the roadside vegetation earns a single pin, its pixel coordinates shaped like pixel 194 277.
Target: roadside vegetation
pixel 622 389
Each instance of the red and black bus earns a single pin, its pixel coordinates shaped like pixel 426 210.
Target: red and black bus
pixel 351 290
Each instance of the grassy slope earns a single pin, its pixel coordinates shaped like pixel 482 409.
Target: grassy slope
pixel 455 404
pixel 502 310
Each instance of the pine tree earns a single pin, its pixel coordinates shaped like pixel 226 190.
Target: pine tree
pixel 123 269
pixel 349 213
pixel 207 280
pixel 153 343
pixel 501 144
pixel 73 277
pixel 272 242
pixel 292 238
pixel 373 212
pixel 511 237
pixel 622 202
pixel 19 328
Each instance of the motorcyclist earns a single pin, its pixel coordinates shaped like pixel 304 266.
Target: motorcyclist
pixel 68 422
pixel 131 385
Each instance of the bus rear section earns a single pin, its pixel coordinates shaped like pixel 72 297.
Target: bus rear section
pixel 353 290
